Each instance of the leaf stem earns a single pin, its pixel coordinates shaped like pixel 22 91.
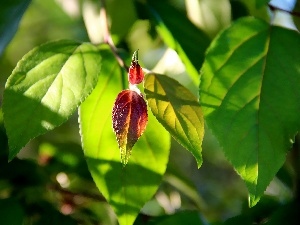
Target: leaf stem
pixel 107 37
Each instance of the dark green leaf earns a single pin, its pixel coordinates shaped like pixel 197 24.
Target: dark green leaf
pixel 178 110
pixel 250 95
pixel 128 188
pixel 184 217
pixel 46 87
pixel 11 212
pixel 11 13
pixel 260 3
pixel 180 34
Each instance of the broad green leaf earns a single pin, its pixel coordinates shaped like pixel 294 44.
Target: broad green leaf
pixel 178 110
pixel 11 13
pixel 180 34
pixel 128 188
pixel 250 94
pixel 46 87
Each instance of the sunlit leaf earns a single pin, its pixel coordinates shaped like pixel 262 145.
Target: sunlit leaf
pixel 46 87
pixel 11 13
pixel 178 110
pixel 250 94
pixel 128 188
pixel 129 118
pixel 180 34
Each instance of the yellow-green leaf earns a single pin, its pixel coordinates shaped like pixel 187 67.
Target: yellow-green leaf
pixel 178 110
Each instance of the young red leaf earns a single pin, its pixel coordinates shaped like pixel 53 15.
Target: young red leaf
pixel 129 118
pixel 135 72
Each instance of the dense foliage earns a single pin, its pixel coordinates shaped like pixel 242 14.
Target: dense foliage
pixel 222 76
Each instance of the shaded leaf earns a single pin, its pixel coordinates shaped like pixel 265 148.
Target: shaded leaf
pixel 250 94
pixel 180 34
pixel 128 188
pixel 11 13
pixel 179 218
pixel 178 110
pixel 11 212
pixel 46 87
pixel 260 3
pixel 129 118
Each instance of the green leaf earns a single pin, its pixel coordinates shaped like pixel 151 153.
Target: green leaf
pixel 128 188
pixel 250 94
pixel 260 3
pixel 46 87
pixel 11 13
pixel 180 34
pixel 178 110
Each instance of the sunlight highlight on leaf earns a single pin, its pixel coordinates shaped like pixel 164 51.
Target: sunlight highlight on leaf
pixel 128 188
pixel 178 110
pixel 249 93
pixel 129 118
pixel 46 87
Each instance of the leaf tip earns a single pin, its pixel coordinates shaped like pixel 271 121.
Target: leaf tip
pixel 253 200
pixel 125 155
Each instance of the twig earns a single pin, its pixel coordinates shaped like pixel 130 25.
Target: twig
pixel 96 197
pixel 107 37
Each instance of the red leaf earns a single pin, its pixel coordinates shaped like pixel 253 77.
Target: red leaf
pixel 129 118
pixel 135 72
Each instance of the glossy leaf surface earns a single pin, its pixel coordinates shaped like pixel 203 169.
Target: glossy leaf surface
pixel 128 188
pixel 250 95
pixel 129 118
pixel 46 87
pixel 178 110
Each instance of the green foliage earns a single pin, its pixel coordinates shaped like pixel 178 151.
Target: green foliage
pixel 250 98
pixel 178 110
pixel 128 188
pixel 11 212
pixel 171 24
pixel 46 87
pixel 247 79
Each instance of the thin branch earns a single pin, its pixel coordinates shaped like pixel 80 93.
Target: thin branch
pixel 107 37
pixel 273 8
pixel 61 190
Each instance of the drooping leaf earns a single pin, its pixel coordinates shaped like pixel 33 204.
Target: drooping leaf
pixel 180 34
pixel 46 87
pixel 178 110
pixel 250 95
pixel 129 118
pixel 11 13
pixel 128 188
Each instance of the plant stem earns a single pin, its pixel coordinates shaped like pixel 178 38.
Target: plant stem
pixel 107 37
